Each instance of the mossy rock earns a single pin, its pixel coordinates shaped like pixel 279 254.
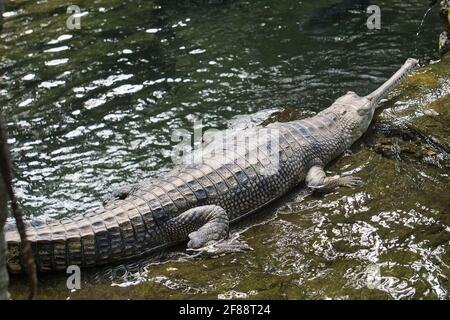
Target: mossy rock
pixel 422 100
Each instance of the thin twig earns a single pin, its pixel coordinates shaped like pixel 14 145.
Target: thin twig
pixel 6 172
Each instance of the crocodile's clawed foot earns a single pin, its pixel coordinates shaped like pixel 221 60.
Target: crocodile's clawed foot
pixel 317 181
pixel 221 247
pixel 350 181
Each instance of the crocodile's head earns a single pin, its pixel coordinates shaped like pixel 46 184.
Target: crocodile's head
pixel 354 113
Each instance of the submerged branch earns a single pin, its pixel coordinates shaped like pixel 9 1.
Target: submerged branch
pixel 6 174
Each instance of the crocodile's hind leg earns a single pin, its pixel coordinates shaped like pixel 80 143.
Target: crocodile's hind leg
pixel 317 180
pixel 203 225
pixel 207 228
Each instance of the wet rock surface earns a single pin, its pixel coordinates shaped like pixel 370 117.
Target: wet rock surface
pixel 415 123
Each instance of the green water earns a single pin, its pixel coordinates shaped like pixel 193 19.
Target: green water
pixel 91 109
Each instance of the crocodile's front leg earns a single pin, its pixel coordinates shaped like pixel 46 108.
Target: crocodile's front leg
pixel 317 180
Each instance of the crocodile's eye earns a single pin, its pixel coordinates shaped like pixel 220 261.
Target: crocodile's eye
pixel 362 112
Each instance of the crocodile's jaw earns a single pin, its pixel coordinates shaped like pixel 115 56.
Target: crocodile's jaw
pixel 390 84
pixel 355 113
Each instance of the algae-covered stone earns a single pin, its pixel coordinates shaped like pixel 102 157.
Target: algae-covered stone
pixel 416 117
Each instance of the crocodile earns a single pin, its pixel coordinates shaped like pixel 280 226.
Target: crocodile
pixel 197 203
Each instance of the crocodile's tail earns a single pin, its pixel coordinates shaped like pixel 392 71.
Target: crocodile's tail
pixel 390 84
pixel 102 237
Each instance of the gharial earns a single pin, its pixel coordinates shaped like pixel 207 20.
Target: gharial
pixel 199 201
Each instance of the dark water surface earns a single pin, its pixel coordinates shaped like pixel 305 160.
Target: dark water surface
pixel 91 109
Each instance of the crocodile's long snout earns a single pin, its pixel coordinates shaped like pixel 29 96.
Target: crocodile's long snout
pixel 390 84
